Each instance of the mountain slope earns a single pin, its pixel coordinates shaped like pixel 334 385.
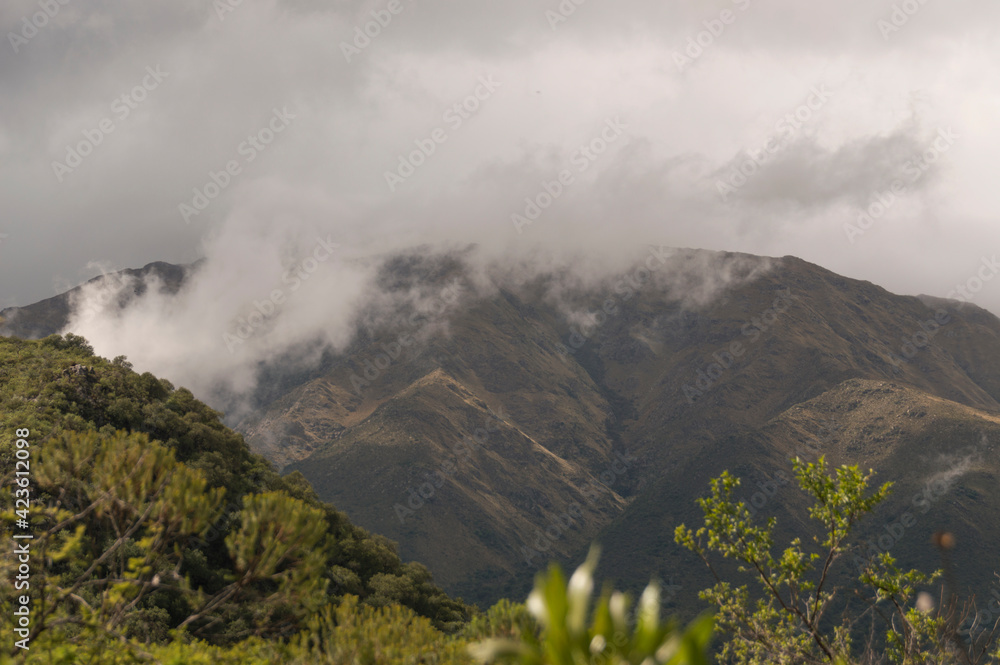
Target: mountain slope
pixel 630 384
pixel 941 455
pixel 623 396
pixel 459 473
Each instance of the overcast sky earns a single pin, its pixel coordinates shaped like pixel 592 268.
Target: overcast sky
pixel 113 112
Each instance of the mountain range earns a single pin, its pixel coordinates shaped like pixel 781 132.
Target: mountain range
pixel 511 421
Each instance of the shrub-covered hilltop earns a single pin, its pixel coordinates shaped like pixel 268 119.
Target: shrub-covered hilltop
pixel 157 536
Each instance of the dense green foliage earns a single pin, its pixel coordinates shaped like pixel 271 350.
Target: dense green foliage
pixel 345 634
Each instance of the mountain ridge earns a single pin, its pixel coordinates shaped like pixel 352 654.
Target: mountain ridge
pixel 588 373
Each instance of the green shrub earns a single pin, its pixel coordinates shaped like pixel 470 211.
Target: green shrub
pixel 353 634
pixel 505 620
pixel 786 621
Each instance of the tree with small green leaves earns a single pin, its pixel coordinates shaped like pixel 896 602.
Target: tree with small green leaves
pixel 788 620
pixel 279 564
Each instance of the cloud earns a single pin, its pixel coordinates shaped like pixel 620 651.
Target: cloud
pixel 810 176
pixel 262 290
pixel 558 87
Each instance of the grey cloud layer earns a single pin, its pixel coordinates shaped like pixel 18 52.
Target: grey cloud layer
pixel 559 84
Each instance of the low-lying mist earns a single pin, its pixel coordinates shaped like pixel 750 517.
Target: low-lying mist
pixel 289 292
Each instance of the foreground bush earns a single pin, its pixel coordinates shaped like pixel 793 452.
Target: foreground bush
pixel 573 634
